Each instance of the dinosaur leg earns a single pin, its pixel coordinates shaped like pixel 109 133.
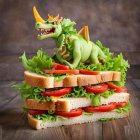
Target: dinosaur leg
pixel 101 53
pixel 94 54
pixel 76 53
pixel 62 60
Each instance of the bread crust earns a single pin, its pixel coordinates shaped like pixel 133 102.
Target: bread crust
pixel 34 123
pixel 106 76
pixel 62 105
pixel 36 80
pixel 116 76
pixel 32 104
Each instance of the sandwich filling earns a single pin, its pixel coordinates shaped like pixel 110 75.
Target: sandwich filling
pixel 43 115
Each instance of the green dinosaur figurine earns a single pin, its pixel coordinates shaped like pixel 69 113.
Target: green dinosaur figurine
pixel 73 47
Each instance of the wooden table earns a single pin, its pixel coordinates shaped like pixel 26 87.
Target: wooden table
pixel 13 120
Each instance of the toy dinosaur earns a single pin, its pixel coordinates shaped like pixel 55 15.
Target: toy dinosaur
pixel 73 47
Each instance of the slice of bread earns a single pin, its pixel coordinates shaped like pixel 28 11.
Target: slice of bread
pixel 38 124
pixel 36 80
pixel 67 104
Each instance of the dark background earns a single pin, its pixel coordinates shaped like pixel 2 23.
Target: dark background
pixel 115 23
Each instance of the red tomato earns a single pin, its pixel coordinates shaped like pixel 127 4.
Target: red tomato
pixel 36 112
pixel 72 113
pixel 62 71
pixel 116 88
pixel 121 104
pixel 57 92
pixel 102 108
pixel 57 66
pixel 96 89
pixel 88 72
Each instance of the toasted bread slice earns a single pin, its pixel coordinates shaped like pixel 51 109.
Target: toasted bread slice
pixel 38 124
pixel 36 80
pixel 67 104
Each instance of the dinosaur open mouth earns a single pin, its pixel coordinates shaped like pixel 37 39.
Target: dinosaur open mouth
pixel 42 31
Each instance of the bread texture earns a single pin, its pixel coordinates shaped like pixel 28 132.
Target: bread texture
pixel 67 104
pixel 38 124
pixel 36 80
pixel 32 104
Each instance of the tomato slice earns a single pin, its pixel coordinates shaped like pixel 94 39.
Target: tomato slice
pixel 57 92
pixel 58 66
pixel 87 72
pixel 36 112
pixel 116 88
pixel 121 104
pixel 72 113
pixel 102 108
pixel 62 71
pixel 97 89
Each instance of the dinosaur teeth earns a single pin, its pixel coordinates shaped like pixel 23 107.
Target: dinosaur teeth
pixel 42 31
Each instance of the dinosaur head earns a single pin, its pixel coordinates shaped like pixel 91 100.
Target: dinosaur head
pixel 51 28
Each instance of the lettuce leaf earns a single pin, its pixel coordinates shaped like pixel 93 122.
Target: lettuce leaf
pixel 68 26
pixel 96 99
pixel 46 117
pixel 107 119
pixel 28 92
pixel 124 109
pixel 37 63
pixel 112 63
pixel 49 116
pixel 86 113
pixel 60 77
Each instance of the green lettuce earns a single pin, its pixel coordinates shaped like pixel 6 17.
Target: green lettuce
pixel 28 92
pixel 49 116
pixel 40 62
pixel 46 117
pixel 86 113
pixel 96 99
pixel 124 109
pixel 37 63
pixel 112 63
pixel 60 77
pixel 68 26
pixel 107 119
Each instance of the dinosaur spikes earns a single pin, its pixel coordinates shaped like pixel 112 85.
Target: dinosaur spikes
pixel 38 18
pixel 51 18
pixel 85 33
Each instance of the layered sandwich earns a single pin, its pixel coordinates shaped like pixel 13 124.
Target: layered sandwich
pixel 81 82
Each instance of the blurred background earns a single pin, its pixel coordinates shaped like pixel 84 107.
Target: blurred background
pixel 116 23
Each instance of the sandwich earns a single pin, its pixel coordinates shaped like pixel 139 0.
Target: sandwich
pixel 81 82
